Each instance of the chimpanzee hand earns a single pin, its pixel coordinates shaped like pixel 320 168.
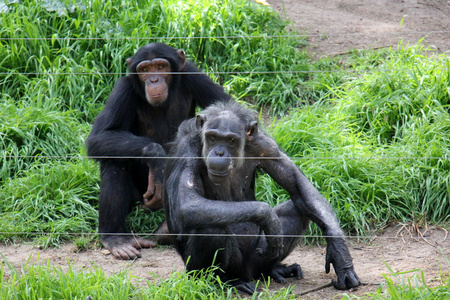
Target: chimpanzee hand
pixel 274 247
pixel 272 229
pixel 339 256
pixel 153 150
pixel 152 199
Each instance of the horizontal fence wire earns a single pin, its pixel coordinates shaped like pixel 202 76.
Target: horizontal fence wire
pixel 367 237
pixel 179 73
pixel 380 70
pixel 305 35
pixel 250 158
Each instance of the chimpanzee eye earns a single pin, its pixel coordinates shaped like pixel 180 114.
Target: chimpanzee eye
pixel 145 69
pixel 231 141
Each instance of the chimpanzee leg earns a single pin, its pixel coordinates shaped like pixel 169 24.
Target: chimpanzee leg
pixel 292 224
pixel 201 252
pixel 116 198
pixel 208 246
pixel 117 195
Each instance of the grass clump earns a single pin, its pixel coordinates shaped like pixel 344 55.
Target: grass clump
pixel 51 202
pixel 406 88
pixel 47 282
pixel 403 285
pixel 43 281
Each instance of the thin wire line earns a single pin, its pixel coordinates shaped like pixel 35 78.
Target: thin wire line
pixel 205 235
pixel 256 158
pixel 163 73
pixel 215 72
pixel 225 36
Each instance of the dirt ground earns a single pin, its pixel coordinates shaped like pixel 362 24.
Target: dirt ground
pixel 335 27
pixel 403 248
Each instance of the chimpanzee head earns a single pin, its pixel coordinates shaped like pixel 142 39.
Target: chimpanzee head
pixel 224 134
pixel 153 64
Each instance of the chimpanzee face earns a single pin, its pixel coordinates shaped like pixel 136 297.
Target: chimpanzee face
pixel 224 137
pixel 156 78
pixel 154 63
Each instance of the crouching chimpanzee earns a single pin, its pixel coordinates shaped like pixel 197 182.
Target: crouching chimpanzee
pixel 209 201
pixel 141 115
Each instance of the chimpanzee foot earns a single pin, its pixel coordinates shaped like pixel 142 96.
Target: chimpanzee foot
pixel 243 286
pixel 280 272
pixel 126 248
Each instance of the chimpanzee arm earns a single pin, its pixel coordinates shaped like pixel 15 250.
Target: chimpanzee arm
pixel 189 210
pixel 311 204
pixel 111 133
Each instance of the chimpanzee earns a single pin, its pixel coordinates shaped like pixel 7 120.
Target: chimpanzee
pixel 210 203
pixel 141 115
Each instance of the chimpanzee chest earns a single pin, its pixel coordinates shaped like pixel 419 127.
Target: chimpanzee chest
pixel 238 186
pixel 159 124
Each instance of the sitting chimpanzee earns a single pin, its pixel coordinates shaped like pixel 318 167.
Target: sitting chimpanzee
pixel 209 202
pixel 141 115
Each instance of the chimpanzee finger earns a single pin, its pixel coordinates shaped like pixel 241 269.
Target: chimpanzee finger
pixel 352 280
pixel 270 251
pixel 265 253
pixel 297 272
pixel 260 251
pixel 278 278
pixel 347 279
pixel 327 263
pixel 126 253
pixel 247 288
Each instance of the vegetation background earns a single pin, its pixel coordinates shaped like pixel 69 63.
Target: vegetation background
pixel 371 131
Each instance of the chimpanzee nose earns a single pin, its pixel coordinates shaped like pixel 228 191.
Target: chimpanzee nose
pixel 219 153
pixel 154 79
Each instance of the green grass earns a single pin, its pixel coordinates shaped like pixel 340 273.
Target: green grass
pixel 409 285
pixel 44 281
pixel 377 146
pixel 371 130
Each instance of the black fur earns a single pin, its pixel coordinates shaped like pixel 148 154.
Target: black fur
pixel 214 208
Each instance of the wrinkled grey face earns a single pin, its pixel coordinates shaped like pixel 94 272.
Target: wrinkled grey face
pixel 223 145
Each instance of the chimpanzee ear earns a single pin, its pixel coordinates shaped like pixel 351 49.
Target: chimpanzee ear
pixel 252 130
pixel 182 57
pixel 130 60
pixel 200 121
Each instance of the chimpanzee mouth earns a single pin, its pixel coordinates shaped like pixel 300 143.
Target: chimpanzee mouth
pixel 156 96
pixel 218 174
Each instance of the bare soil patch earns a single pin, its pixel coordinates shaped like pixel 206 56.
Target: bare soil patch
pixel 335 27
pixel 339 26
